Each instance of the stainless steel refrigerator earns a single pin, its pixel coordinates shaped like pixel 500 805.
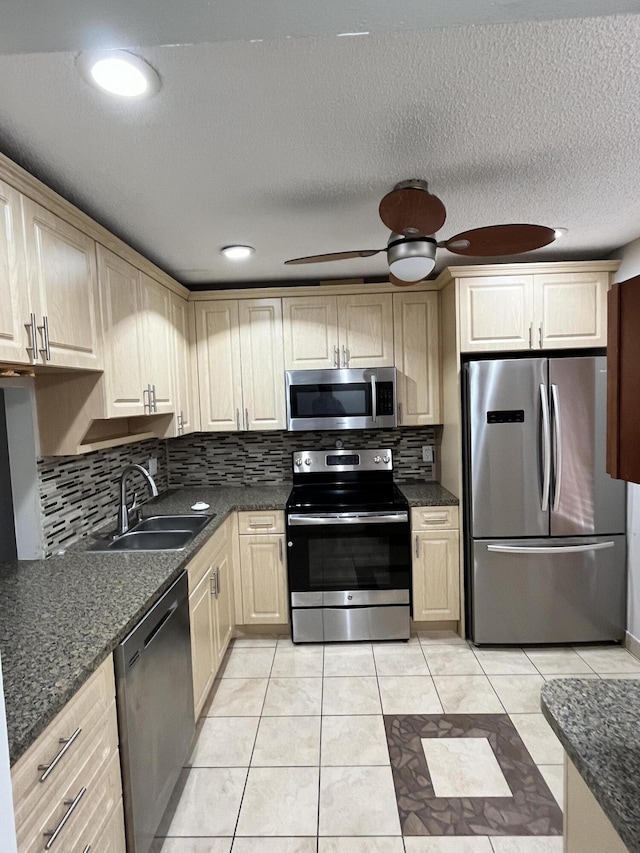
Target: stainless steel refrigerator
pixel 545 524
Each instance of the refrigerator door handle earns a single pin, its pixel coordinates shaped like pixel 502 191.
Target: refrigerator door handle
pixel 549 549
pixel 557 447
pixel 546 448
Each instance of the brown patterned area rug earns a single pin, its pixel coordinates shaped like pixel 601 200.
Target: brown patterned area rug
pixel 531 810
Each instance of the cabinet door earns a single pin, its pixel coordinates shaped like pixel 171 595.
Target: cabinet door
pixel 436 577
pixel 157 342
pixel 219 372
pixel 183 340
pixel 223 620
pixel 61 270
pixel 203 650
pixel 14 301
pixel 366 330
pixel 496 313
pixel 571 309
pixel 310 332
pixel 263 576
pixel 262 364
pixel 417 357
pixel 119 285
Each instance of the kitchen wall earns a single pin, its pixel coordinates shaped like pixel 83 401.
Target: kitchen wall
pixel 265 457
pixel 630 267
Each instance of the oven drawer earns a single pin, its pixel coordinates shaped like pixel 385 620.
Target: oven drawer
pixel 350 598
pixel 339 624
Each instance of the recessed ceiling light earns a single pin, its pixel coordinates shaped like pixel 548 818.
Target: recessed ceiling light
pixel 560 232
pixel 237 253
pixel 119 73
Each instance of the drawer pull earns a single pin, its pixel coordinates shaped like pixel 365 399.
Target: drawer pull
pixel 261 524
pixel 87 849
pixel 73 804
pixel 67 742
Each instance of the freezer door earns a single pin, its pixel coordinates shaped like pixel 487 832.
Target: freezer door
pixel 508 449
pixel 548 590
pixel 585 500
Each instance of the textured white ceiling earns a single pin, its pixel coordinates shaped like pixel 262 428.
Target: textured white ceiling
pixel 289 144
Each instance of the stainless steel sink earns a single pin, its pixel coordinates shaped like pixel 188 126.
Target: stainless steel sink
pixel 156 533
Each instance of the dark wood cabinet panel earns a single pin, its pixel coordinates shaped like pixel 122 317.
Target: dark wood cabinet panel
pixel 623 389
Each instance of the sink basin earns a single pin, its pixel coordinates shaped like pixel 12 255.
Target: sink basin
pixel 156 533
pixel 194 523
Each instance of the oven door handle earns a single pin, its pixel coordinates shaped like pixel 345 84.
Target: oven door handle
pixel 334 518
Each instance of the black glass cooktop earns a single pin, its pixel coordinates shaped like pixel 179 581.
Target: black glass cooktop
pixel 333 498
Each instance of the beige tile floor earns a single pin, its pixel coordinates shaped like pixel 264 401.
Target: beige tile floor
pixel 291 755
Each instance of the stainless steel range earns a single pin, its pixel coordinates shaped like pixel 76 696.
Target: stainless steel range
pixel 349 548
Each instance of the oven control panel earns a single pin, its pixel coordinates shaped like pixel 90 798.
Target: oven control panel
pixel 314 461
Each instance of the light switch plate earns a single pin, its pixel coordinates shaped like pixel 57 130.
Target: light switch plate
pixel 153 465
pixel 427 453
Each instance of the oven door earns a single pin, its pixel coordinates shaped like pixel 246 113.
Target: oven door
pixel 348 558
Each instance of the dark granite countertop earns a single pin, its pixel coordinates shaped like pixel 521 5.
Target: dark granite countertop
pixel 60 618
pixel 427 494
pixel 597 723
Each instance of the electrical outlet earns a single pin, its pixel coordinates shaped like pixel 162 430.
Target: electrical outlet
pixel 153 465
pixel 427 453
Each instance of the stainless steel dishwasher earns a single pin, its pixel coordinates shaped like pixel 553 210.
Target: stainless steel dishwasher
pixel 154 691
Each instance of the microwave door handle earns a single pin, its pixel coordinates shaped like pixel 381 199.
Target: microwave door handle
pixel 374 401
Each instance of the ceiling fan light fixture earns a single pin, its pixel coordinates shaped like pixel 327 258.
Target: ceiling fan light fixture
pixel 560 232
pixel 119 72
pixel 237 253
pixel 411 260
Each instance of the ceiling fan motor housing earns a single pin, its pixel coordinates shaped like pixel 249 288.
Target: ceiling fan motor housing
pixel 411 258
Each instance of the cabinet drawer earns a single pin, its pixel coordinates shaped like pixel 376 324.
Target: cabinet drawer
pixel 434 518
pixel 207 555
pixel 85 711
pixel 48 811
pixel 111 836
pixel 261 522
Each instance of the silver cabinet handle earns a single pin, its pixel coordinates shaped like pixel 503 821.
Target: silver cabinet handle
pixel 546 449
pixel 549 549
pixel 336 357
pixel 87 849
pixel 44 332
pixel 399 413
pixel 153 398
pixel 147 393
pixel 218 583
pixel 54 833
pixel 32 329
pixel 557 446
pixel 260 524
pixel 540 335
pixel 238 419
pixel 417 547
pixel 531 335
pixel 67 743
pixel 374 400
pixel 346 356
pixel 213 580
pixel 280 549
pixel 246 417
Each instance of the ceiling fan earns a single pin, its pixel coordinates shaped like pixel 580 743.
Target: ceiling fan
pixel 414 215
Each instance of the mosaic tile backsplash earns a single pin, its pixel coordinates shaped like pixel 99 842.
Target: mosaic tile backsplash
pixel 265 457
pixel 78 493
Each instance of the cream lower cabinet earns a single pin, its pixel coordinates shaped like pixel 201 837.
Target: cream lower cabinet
pixel 417 357
pixel 263 569
pixel 210 611
pixel 68 782
pixel 338 331
pixel 535 311
pixel 240 365
pixel 436 564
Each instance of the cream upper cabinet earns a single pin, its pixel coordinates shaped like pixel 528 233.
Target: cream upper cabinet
pixel 417 357
pixel 14 302
pixel 530 312
pixel 436 564
pixel 61 272
pixel 119 284
pixel 157 343
pixel 496 313
pixel 571 309
pixel 338 331
pixel 262 364
pixel 182 318
pixel 240 365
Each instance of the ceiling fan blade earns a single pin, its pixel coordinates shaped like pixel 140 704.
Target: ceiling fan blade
pixel 412 210
pixel 496 240
pixel 336 256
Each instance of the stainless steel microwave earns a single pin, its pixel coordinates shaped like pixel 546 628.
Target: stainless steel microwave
pixel 352 398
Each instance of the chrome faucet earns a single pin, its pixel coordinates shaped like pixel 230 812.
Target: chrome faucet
pixel 123 511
